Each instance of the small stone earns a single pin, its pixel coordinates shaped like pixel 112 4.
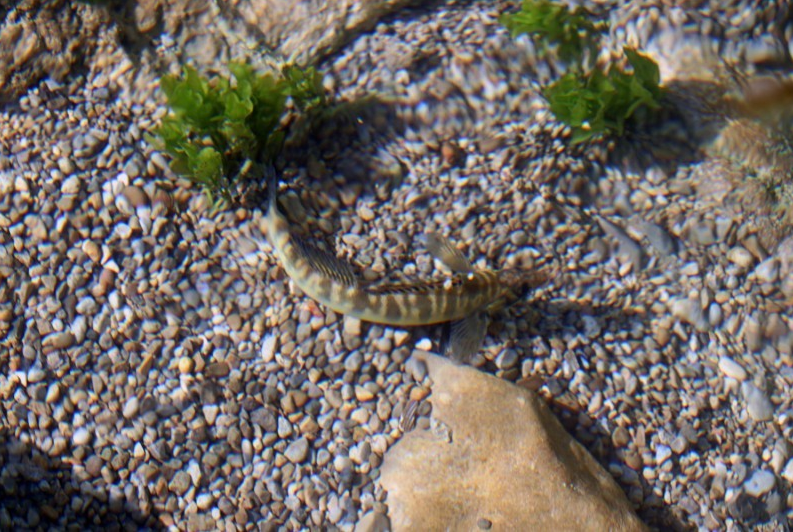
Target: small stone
pixel 284 428
pixel 217 370
pixel 269 346
pixel 361 452
pixel 297 451
pixel 204 501
pixel 210 413
pixel 36 375
pixel 180 483
pixel 87 306
pixel 758 405
pixel 135 195
pixel 65 165
pixel 53 393
pixel 59 340
pixel 131 407
pixel 352 326
pixel 416 369
pixel 366 214
pixel 787 473
pixel 373 521
pixel 194 470
pixel 71 185
pixel 186 365
pixel 662 454
pixel 425 344
pixel 767 271
pixel 363 394
pixel 760 483
pixel 689 311
pixel 81 436
pixel 740 257
pixel 732 369
pixel 342 463
pixel 353 361
pixel 92 250
pixel 691 269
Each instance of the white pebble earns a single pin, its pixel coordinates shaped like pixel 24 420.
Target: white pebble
pixel 787 473
pixel 131 407
pixel 740 257
pixel 757 404
pixel 425 344
pixel 760 483
pixel 81 436
pixel 732 369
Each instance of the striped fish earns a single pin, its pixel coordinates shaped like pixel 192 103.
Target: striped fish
pixel 463 300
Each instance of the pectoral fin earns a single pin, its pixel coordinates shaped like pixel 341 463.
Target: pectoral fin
pixel 442 249
pixel 466 336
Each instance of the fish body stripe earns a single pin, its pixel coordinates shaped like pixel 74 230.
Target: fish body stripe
pixel 422 303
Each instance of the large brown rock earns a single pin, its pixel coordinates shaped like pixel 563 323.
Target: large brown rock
pixel 508 461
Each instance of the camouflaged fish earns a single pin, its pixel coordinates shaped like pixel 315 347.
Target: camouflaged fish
pixel 464 300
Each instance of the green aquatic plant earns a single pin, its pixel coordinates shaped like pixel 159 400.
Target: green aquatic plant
pixel 555 25
pixel 591 100
pixel 602 101
pixel 218 127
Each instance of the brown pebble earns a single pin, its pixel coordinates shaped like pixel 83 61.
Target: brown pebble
pixel 92 250
pixel 452 154
pixel 218 370
pixel 135 195
pixel 163 201
pixel 186 365
pixel 146 365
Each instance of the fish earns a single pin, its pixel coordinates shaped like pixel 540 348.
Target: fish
pixel 464 300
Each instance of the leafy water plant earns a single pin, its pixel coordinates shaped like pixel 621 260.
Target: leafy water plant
pixel 571 32
pixel 602 101
pixel 218 127
pixel 590 99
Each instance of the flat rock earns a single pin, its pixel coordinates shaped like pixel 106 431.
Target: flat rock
pixel 501 436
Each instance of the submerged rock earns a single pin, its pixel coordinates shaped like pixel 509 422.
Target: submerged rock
pixel 508 461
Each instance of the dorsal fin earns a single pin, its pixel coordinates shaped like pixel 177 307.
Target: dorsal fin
pixel 327 264
pixel 442 249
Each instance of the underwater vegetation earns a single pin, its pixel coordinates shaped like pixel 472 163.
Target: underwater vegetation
pixel 590 99
pixel 219 127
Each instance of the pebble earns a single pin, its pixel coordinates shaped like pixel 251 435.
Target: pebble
pixel 732 369
pixel 690 312
pixel 131 407
pixel 760 483
pixel 767 271
pixel 269 346
pixel 35 375
pixel 787 473
pixel 758 405
pixel 416 368
pixel 60 340
pixel 81 436
pixel 740 257
pixel 180 483
pixel 342 463
pixel 186 365
pixel 71 185
pixel 53 393
pixel 352 326
pixel 297 451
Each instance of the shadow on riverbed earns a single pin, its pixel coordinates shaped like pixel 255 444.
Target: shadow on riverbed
pixel 39 492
